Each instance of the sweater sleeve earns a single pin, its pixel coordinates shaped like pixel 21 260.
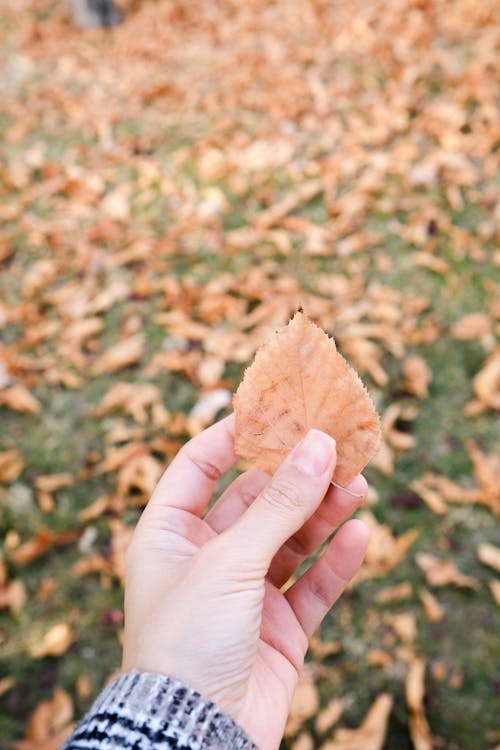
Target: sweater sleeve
pixel 145 711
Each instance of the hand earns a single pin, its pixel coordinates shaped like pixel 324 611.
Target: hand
pixel 202 595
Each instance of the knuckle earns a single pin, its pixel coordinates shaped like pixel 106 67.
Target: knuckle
pixel 282 495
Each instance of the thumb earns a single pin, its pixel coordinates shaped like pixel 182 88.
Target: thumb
pixel 285 504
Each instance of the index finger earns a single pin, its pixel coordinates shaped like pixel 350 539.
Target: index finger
pixel 190 479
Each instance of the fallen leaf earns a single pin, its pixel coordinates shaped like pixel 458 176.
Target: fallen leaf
pixel 305 703
pixel 5 684
pixel 487 475
pixel 370 735
pixel 417 376
pixel 11 465
pixel 489 555
pixel 432 608
pixel 385 551
pixel 487 382
pixel 471 326
pixel 121 355
pixel 49 725
pixel 133 398
pixel 404 625
pixel 494 585
pixel 297 381
pixel 206 408
pixel 444 572
pixel 18 398
pixel 395 593
pixel 303 742
pixel 55 642
pixel 13 596
pixel 42 542
pixel 329 716
pixel 419 728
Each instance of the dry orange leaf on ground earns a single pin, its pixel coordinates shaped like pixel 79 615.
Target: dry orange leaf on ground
pixel 370 735
pixel 297 381
pixel 415 690
pixel 55 642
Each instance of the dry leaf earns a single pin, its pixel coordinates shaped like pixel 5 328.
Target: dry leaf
pixel 444 572
pixel 432 608
pixel 385 551
pixel 489 555
pixel 370 735
pixel 305 703
pixel 48 726
pixel 5 684
pixel 404 625
pixel 55 642
pixel 18 398
pixel 123 354
pixel 133 398
pixel 206 409
pixel 417 376
pixel 329 716
pixel 395 593
pixel 471 326
pixel 43 541
pixel 13 596
pixel 487 475
pixel 494 585
pixel 297 381
pixel 419 728
pixel 11 465
pixel 487 382
pixel 303 742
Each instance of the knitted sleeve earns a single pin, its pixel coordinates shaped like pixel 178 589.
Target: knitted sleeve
pixel 145 711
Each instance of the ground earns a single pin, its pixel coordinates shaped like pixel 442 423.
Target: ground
pixel 171 191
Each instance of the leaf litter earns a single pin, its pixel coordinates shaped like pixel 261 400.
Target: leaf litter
pixel 342 158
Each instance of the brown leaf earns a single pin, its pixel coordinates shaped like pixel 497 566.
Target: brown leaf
pixel 11 465
pixel 385 551
pixel 206 409
pixel 419 728
pixel 432 608
pixel 297 381
pixel 133 398
pixel 371 733
pixel 487 475
pixel 444 572
pixel 471 326
pixel 13 596
pixel 123 354
pixel 48 726
pixel 329 715
pixel 404 625
pixel 487 382
pixel 18 398
pixel 489 555
pixel 5 684
pixel 417 376
pixel 43 541
pixel 395 593
pixel 55 642
pixel 305 703
pixel 494 585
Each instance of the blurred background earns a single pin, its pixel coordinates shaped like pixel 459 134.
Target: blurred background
pixel 172 187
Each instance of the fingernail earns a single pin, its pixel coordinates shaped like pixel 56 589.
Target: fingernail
pixel 314 454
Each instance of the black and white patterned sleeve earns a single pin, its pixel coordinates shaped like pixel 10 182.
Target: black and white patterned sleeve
pixel 145 711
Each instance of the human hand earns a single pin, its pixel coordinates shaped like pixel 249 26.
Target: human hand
pixel 202 595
